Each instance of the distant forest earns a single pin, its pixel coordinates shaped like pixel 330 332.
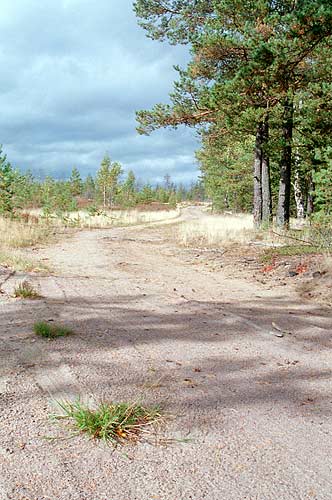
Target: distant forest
pixel 108 189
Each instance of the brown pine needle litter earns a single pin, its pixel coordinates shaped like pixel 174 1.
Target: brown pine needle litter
pixel 113 423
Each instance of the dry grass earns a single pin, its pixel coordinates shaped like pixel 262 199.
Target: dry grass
pixel 25 290
pixel 108 218
pixel 230 229
pixel 217 230
pixel 16 234
pixel 19 262
pixel 126 217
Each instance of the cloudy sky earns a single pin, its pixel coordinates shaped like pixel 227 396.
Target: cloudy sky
pixel 73 72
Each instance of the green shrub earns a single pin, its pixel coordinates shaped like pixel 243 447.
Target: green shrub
pixel 321 230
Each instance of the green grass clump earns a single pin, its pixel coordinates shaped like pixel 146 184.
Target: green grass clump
pixel 25 291
pixel 50 331
pixel 287 251
pixel 111 422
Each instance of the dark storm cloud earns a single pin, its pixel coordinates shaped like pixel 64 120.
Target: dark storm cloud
pixel 73 74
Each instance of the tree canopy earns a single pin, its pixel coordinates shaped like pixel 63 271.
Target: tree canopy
pixel 250 62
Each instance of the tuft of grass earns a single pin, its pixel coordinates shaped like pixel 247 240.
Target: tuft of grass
pixel 112 423
pixel 25 290
pixel 287 251
pixel 49 331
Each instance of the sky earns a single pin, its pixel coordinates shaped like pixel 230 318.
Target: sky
pixel 73 73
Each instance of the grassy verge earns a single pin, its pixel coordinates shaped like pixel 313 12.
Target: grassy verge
pixel 216 230
pixel 104 218
pixel 18 262
pixel 16 235
pixel 287 251
pixel 111 422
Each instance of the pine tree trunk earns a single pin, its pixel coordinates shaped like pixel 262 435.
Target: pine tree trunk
pixel 310 199
pixel 283 211
pixel 258 195
pixel 266 180
pixel 104 196
pixel 298 194
pixel 262 182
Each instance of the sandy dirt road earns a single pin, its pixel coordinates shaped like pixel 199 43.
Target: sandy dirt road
pixel 151 323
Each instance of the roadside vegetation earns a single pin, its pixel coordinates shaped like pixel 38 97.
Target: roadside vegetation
pixel 226 230
pixel 17 261
pixel 16 233
pixel 270 254
pixel 215 231
pixel 100 218
pixel 112 423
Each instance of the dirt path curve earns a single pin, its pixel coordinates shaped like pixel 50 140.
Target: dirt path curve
pixel 153 324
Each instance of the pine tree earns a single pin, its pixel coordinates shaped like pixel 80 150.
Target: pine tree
pixel 323 184
pixel 146 195
pixel 103 179
pixel 114 175
pixel 6 185
pixel 107 180
pixel 89 187
pixel 76 183
pixel 248 60
pixel 128 190
pixel 227 173
pixel 24 190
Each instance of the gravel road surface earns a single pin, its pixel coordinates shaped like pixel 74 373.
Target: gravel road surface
pixel 250 410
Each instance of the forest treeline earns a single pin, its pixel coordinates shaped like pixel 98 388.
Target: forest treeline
pixel 109 188
pixel 258 89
